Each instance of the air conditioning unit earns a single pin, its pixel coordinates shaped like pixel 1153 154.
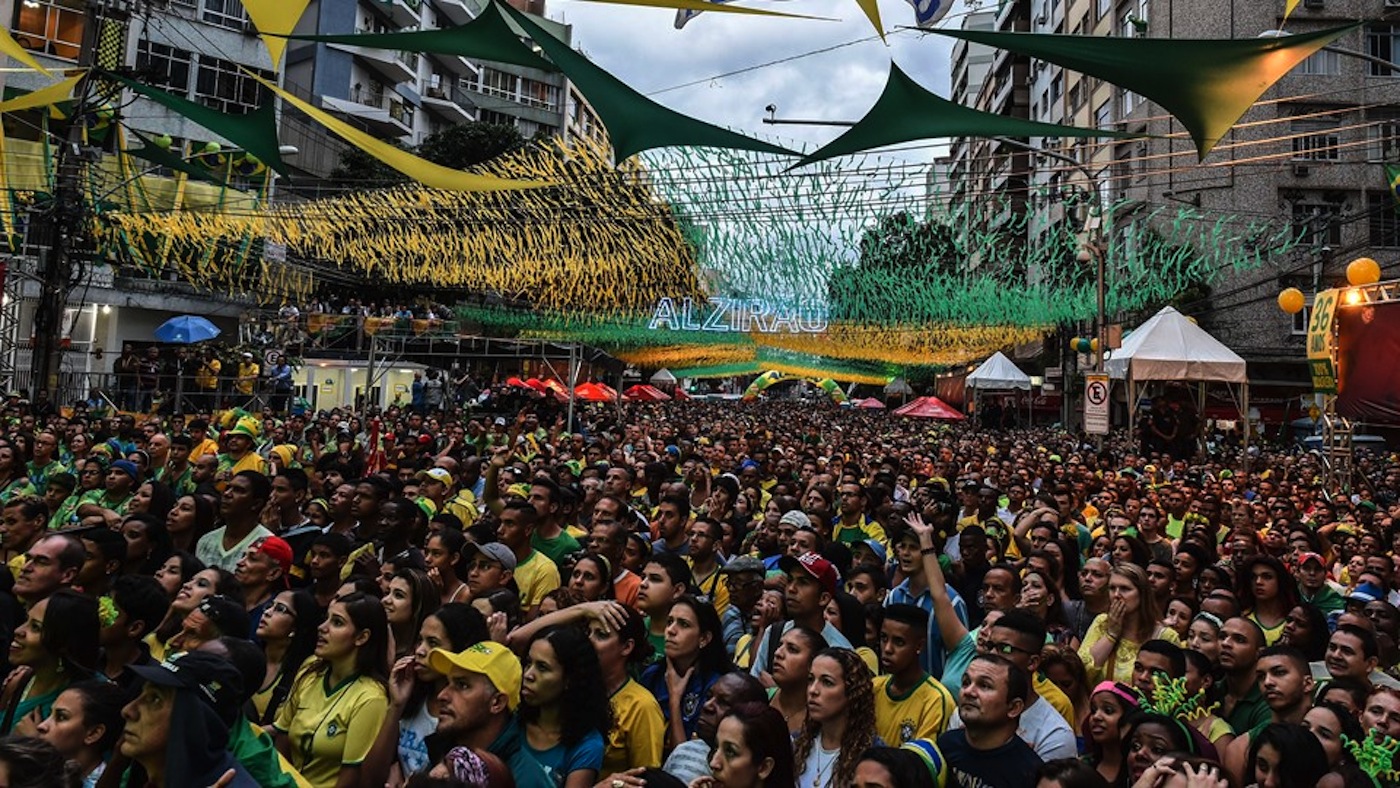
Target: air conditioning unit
pixel 1392 3
pixel 1301 170
pixel 1315 4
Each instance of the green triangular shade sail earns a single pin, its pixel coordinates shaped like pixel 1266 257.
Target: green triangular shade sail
pixel 1206 84
pixel 906 111
pixel 634 122
pixel 487 37
pixel 255 132
pixel 161 157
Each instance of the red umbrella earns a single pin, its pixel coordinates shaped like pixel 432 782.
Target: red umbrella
pixel 595 392
pixel 518 383
pixel 645 393
pixel 537 385
pixel 929 408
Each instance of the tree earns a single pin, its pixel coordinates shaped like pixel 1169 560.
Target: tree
pixel 470 144
pixel 458 147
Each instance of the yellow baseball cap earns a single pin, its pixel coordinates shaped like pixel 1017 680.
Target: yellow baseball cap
pixel 490 659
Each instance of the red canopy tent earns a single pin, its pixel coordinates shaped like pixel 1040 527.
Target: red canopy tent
pixel 645 393
pixel 518 383
pixel 595 392
pixel 929 408
pixel 680 394
pixel 536 384
pixel 559 390
pixel 871 404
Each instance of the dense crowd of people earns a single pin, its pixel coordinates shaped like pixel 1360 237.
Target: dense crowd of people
pixel 694 593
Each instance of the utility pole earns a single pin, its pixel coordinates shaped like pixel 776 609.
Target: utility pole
pixel 62 225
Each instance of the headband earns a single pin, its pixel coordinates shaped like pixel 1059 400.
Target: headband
pixel 1211 618
pixel 1121 690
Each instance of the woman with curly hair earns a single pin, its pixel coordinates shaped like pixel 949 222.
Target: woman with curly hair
pixel 840 720
pixel 563 706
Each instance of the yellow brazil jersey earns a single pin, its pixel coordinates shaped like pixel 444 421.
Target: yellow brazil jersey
pixel 207 446
pixel 866 529
pixel 330 727
pixel 463 507
pixel 638 730
pixel 922 712
pixel 535 576
pixel 713 588
pixel 1056 697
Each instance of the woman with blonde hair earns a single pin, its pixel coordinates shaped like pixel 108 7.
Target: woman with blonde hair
pixel 1133 618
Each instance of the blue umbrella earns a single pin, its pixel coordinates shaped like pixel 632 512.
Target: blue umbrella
pixel 186 329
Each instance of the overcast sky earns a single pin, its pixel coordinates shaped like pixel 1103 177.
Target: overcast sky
pixel 642 47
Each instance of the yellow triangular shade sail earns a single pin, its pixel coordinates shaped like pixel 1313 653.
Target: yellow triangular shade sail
pixel 11 47
pixel 432 175
pixel 278 17
pixel 43 97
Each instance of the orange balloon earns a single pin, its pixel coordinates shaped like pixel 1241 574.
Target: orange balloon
pixel 1363 271
pixel 1291 300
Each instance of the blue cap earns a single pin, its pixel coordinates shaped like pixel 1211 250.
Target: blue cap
pixel 878 549
pixel 1366 592
pixel 127 467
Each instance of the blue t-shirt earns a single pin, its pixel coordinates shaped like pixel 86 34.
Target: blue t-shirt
pixel 696 691
pixel 561 760
pixel 1012 765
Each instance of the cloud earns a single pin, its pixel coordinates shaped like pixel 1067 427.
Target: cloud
pixel 642 47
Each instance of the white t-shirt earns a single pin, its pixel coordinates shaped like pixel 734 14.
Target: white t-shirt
pixel 818 768
pixel 689 760
pixel 210 548
pixel 413 748
pixel 1043 729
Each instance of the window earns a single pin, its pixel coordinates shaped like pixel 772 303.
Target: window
pixel 1302 318
pixel 167 66
pixel 1317 224
pixel 497 118
pixel 1385 139
pixel 1129 101
pixel 225 13
pixel 51 27
pixel 1057 90
pixel 1318 141
pixel 534 93
pixel 1076 97
pixel 1126 28
pixel 222 85
pixel 1103 116
pixel 498 83
pixel 1321 63
pixel 1383 219
pixel 1105 7
pixel 1381 43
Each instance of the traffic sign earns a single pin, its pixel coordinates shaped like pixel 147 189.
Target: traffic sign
pixel 1096 403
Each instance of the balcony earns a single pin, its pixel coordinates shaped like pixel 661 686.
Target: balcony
pixel 404 13
pixel 450 102
pixel 456 64
pixel 393 66
pixel 459 12
pixel 382 112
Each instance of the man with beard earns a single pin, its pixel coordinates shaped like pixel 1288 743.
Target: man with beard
pixel 476 709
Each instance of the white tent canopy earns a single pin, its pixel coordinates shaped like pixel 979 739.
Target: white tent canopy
pixel 663 377
pixel 1170 347
pixel 998 373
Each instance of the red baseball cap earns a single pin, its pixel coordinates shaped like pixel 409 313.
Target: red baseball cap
pixel 1306 557
pixel 814 565
pixel 277 548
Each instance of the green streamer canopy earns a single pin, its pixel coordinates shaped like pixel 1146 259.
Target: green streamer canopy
pixel 487 37
pixel 162 157
pixel 254 132
pixel 1207 84
pixel 634 122
pixel 906 112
